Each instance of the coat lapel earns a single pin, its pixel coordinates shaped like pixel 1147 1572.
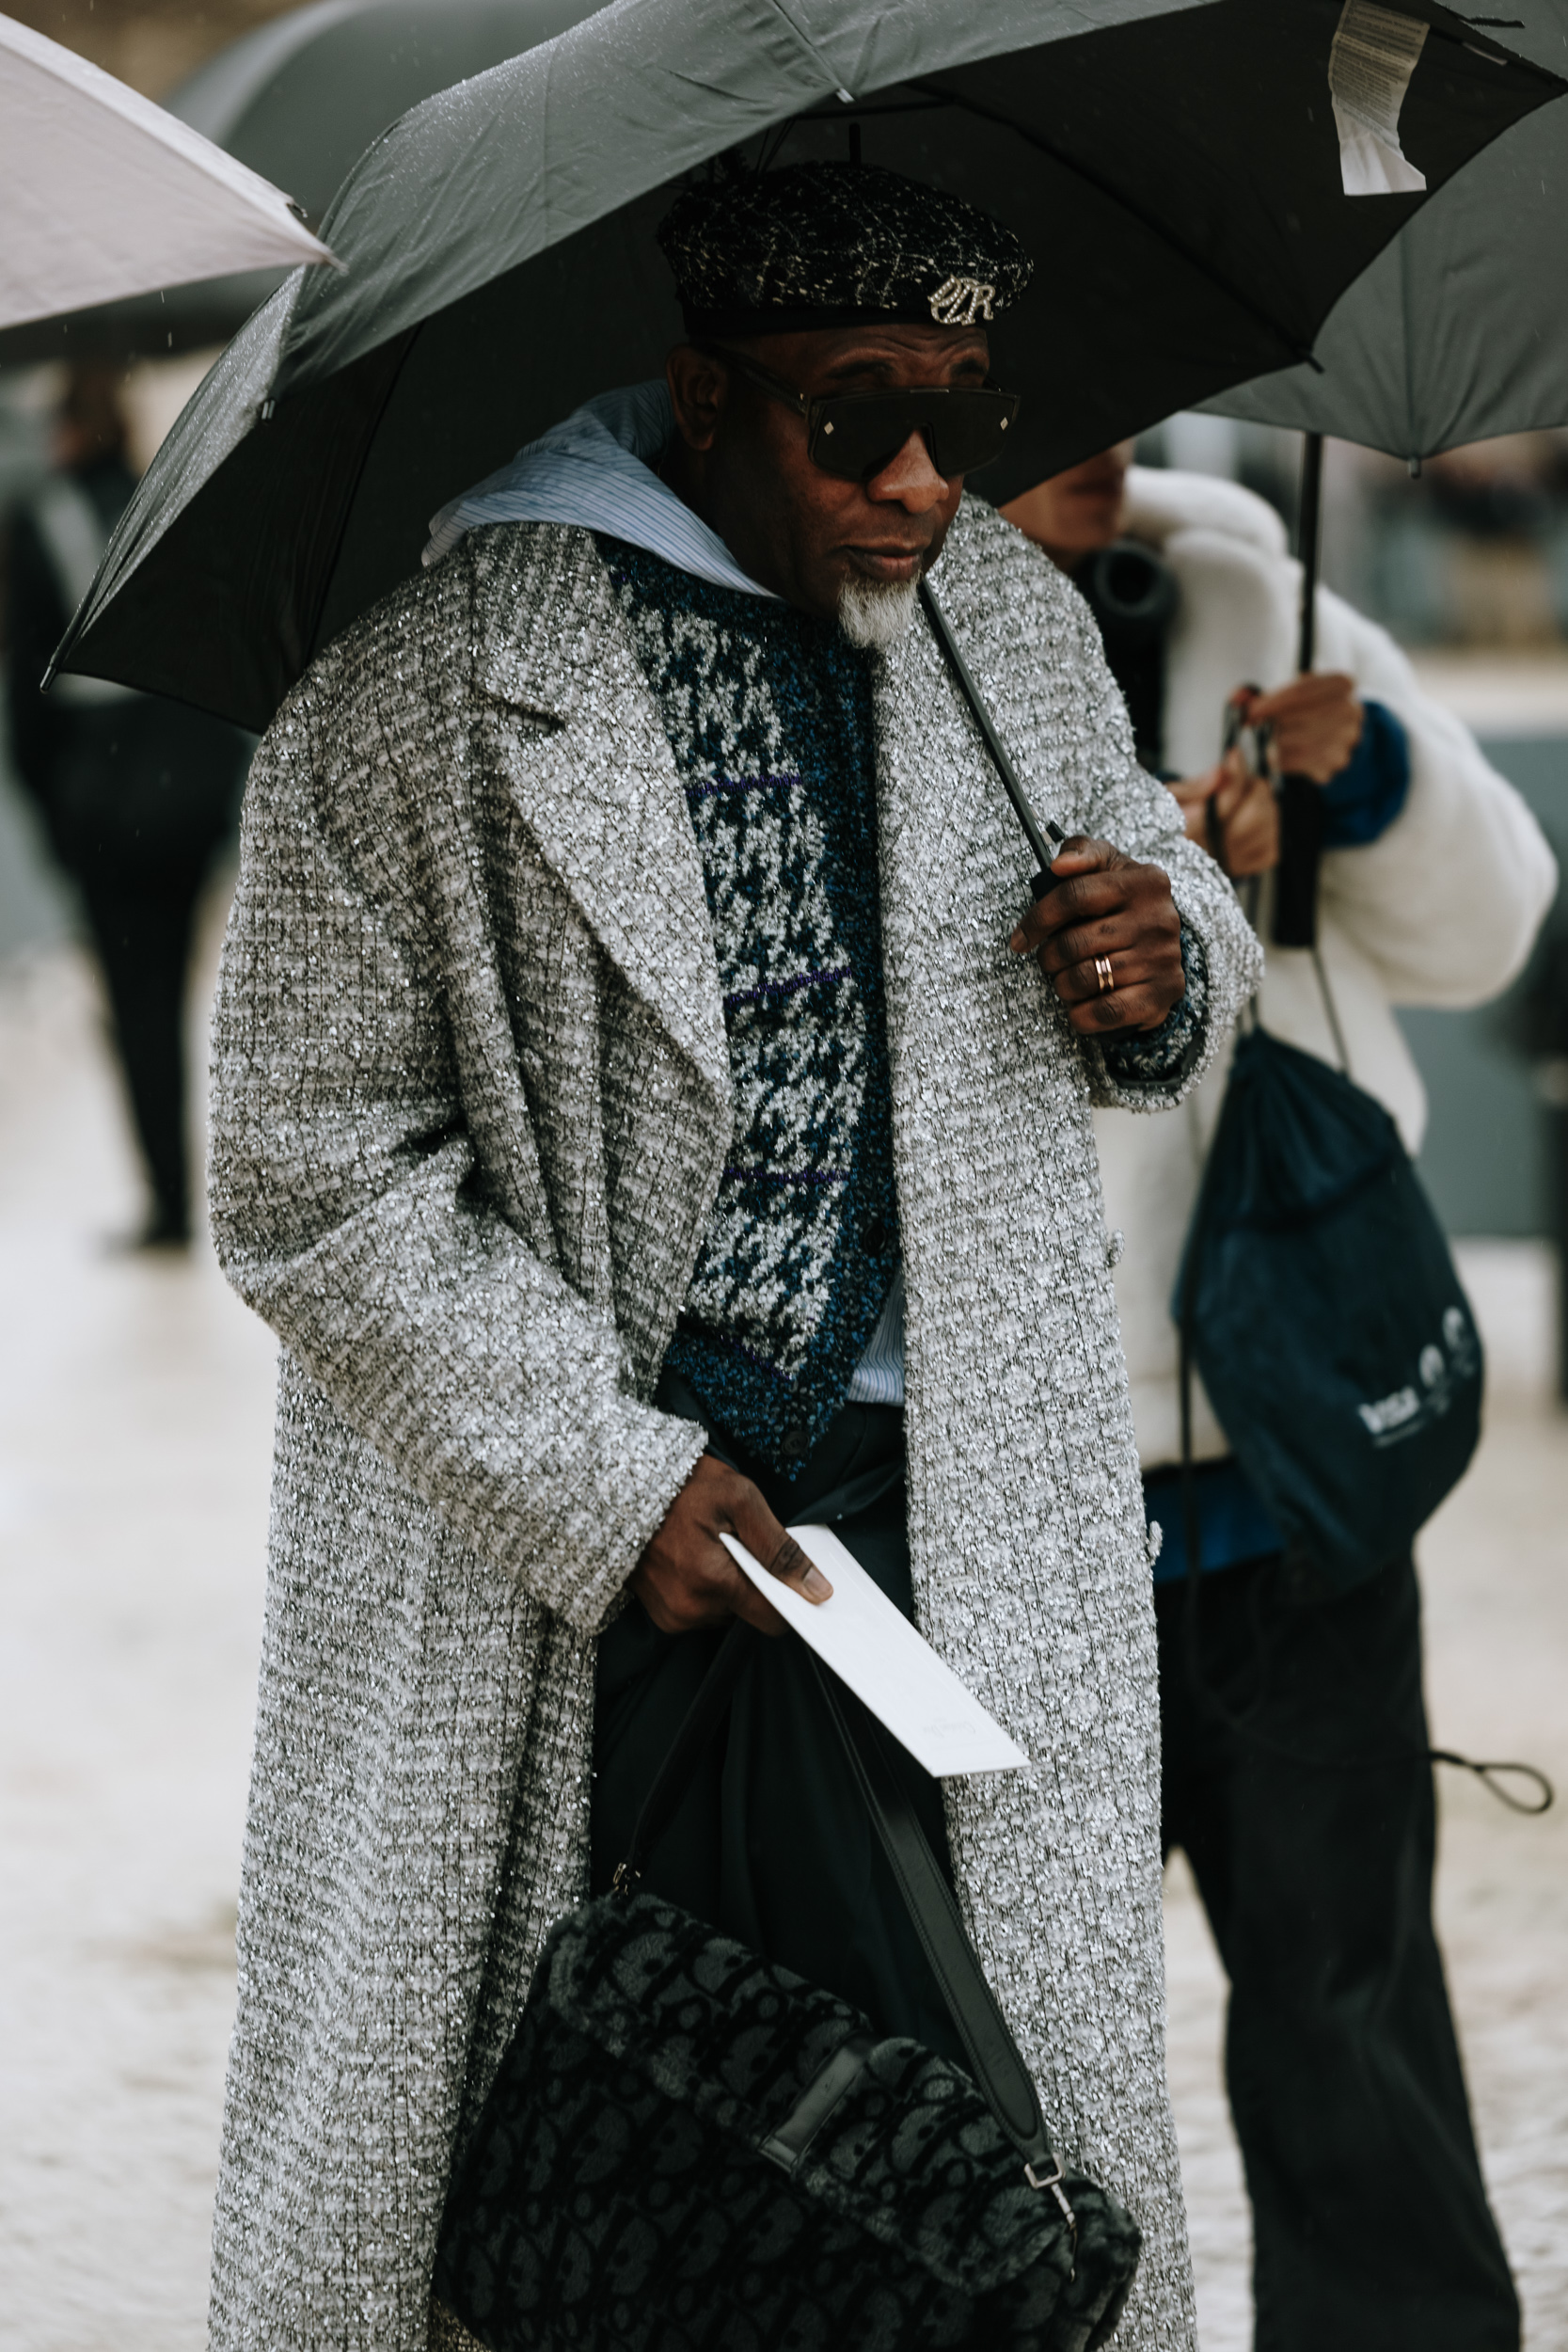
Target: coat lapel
pixel 599 791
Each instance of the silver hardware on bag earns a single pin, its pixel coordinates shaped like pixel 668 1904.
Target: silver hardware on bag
pixel 1052 2181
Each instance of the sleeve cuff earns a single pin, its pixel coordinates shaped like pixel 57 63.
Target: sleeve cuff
pixel 1370 790
pixel 1156 1057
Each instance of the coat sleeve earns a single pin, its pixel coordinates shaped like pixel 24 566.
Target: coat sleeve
pixel 347 1212
pixel 1446 904
pixel 1086 774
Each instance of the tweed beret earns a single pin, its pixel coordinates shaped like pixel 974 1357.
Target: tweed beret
pixel 831 245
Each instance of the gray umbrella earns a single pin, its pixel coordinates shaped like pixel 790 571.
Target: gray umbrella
pixel 1460 329
pixel 299 101
pixel 1176 170
pixel 312 89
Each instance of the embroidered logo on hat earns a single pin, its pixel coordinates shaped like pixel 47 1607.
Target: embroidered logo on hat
pixel 962 301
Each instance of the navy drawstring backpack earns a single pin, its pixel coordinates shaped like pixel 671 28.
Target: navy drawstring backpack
pixel 1318 1299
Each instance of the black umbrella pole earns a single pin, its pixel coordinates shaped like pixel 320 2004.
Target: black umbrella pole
pixel 1045 881
pixel 1309 534
pixel 1301 807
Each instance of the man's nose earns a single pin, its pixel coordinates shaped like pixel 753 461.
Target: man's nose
pixel 910 480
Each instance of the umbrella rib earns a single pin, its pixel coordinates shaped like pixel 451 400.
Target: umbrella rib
pixel 1216 277
pixel 803 42
pixel 865 108
pixel 1406 347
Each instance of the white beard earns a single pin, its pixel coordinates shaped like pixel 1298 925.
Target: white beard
pixel 871 612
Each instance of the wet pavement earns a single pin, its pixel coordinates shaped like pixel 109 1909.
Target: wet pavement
pixel 134 1440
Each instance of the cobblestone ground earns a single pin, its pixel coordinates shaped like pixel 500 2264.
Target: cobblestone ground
pixel 135 1435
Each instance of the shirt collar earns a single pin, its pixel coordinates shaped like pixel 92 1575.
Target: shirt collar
pixel 593 469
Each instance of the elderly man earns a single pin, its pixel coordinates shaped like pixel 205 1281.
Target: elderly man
pixel 1372 2227
pixel 647 1108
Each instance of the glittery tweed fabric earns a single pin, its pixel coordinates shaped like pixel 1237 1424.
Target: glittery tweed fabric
pixel 753 250
pixel 769 717
pixel 472 1107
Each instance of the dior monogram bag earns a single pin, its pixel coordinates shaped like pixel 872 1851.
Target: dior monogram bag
pixel 688 2149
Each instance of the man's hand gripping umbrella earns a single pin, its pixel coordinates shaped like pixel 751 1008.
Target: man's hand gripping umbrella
pixel 1103 926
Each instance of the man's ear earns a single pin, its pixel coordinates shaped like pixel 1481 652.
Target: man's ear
pixel 699 386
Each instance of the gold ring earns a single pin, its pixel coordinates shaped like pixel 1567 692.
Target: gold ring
pixel 1103 973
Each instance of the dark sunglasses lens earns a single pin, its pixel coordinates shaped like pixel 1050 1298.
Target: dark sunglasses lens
pixel 856 436
pixel 974 431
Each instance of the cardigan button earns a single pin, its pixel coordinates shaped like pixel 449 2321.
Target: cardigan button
pixel 875 1237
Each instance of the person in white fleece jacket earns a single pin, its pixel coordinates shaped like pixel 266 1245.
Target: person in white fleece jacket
pixel 1371 2230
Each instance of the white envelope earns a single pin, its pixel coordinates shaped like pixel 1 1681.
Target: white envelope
pixel 890 1667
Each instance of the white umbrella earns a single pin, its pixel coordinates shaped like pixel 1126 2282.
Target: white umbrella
pixel 101 193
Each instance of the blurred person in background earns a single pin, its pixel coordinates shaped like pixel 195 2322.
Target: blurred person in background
pixel 1372 2231
pixel 1473 550
pixel 138 795
pixel 1497 506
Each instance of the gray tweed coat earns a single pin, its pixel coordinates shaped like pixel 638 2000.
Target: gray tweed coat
pixel 472 1102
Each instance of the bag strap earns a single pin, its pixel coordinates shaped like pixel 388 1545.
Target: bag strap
pixel 994 2055
pixel 1331 1010
pixel 1004 2079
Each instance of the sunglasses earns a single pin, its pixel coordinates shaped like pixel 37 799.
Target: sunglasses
pixel 854 435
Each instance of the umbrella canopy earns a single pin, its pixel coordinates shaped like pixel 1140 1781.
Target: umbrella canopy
pixel 302 98
pixel 103 192
pixel 1177 170
pixel 1460 330
pixel 299 101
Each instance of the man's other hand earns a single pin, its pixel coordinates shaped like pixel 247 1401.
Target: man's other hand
pixel 685 1578
pixel 1317 724
pixel 1246 814
pixel 1111 912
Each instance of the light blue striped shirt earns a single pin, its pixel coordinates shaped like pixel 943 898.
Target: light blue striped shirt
pixel 593 471
pixel 878 1377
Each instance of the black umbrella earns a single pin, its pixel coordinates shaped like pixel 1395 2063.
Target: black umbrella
pixel 1177 172
pixel 1457 332
pixel 299 101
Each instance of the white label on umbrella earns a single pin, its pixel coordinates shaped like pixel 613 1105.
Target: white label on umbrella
pixel 1369 66
pixel 887 1663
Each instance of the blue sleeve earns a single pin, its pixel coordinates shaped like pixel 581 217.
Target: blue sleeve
pixel 1371 789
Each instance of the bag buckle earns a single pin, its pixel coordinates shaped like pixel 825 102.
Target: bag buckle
pixel 625 1879
pixel 1052 2181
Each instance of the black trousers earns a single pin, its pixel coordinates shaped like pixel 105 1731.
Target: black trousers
pixel 140 797
pixel 772 1843
pixel 1372 2228
pixel 142 933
